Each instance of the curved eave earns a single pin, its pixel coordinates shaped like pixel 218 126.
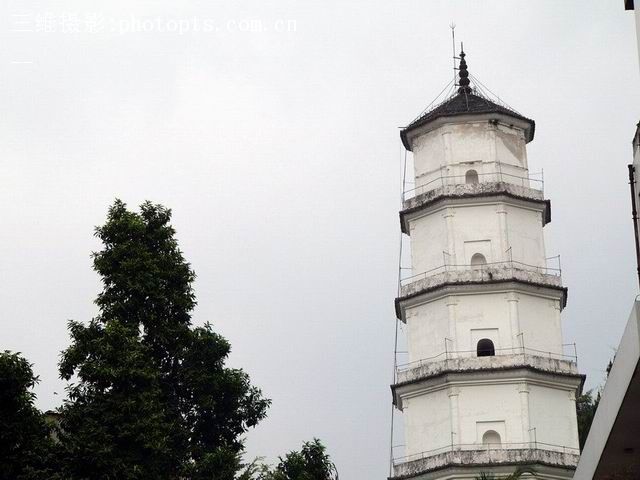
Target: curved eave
pixel 398 301
pixel 546 204
pixel 494 369
pixel 528 125
pixel 467 468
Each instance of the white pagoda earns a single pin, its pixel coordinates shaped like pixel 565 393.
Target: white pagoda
pixel 487 387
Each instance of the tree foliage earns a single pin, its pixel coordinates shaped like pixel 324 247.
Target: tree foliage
pixel 586 406
pixel 150 395
pixel 24 435
pixel 310 463
pixel 516 475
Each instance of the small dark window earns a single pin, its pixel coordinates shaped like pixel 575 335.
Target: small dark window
pixel 486 348
pixel 491 437
pixel 471 176
pixel 478 260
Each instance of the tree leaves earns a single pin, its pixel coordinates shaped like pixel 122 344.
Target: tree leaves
pixel 310 463
pixel 24 434
pixel 153 398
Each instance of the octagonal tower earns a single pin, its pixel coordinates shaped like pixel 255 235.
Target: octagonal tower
pixel 487 386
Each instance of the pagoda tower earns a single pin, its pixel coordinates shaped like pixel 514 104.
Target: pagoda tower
pixel 487 387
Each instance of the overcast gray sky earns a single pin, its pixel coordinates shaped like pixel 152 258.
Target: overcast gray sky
pixel 273 137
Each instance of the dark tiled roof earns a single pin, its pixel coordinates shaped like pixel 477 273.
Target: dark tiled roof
pixel 464 104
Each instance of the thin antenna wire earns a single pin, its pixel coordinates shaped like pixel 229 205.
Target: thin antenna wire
pixel 447 87
pixel 395 346
pixel 453 49
pixel 482 87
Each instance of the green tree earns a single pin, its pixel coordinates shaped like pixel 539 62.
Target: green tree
pixel 310 463
pixel 586 406
pixel 150 396
pixel 512 476
pixel 24 435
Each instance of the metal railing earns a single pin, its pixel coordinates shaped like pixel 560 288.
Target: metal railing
pixel 529 181
pixel 480 447
pixel 523 351
pixel 507 264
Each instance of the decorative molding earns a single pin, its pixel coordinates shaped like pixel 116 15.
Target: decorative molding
pixel 453 392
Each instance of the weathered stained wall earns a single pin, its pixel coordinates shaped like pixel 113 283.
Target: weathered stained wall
pixel 452 234
pixel 487 457
pixel 553 415
pixel 524 413
pixel 450 304
pixel 509 319
pixel 428 423
pixel 456 147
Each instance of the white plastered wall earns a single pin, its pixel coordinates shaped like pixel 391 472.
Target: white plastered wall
pixel 552 414
pixel 451 415
pixel 454 229
pixel 453 319
pixel 461 414
pixel 427 422
pixel 540 323
pixel 526 237
pixel 454 148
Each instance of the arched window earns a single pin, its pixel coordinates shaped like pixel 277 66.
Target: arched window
pixel 478 259
pixel 471 176
pixel 486 348
pixel 491 437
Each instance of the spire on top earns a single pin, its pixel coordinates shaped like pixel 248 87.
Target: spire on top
pixel 463 73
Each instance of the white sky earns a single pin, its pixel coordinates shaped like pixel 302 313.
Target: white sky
pixel 278 152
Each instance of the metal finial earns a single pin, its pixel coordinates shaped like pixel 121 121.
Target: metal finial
pixel 463 73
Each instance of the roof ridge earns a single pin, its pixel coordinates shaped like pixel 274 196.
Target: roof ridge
pixel 461 103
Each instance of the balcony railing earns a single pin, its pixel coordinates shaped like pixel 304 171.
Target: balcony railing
pixel 529 181
pixel 487 268
pixel 490 454
pixel 548 362
pixel 499 352
pixel 487 448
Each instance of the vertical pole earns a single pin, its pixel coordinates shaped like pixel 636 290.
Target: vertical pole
pixel 523 390
pixel 395 345
pixel 454 415
pixel 452 314
pixel 521 335
pixel 514 317
pixel 634 215
pixel 504 233
pixel 559 266
pixel 448 218
pixel 453 49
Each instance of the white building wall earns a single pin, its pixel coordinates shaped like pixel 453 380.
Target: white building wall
pixel 490 229
pixel 476 230
pixel 427 329
pixel 428 422
pixel 510 146
pixel 482 316
pixel 462 409
pixel 454 148
pixel 461 414
pixel 520 412
pixel 526 237
pixel 553 415
pixel 460 321
pixel 637 15
pixel 429 230
pixel 540 323
pixel 496 404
